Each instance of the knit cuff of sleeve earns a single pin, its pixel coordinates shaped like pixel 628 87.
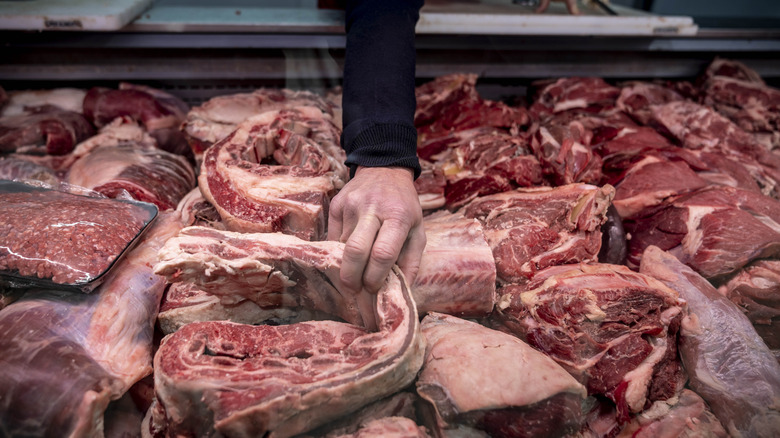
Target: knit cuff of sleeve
pixel 382 145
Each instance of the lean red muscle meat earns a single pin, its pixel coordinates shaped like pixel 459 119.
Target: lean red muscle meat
pixel 565 154
pixel 589 93
pixel 159 112
pixel 275 173
pixel 728 364
pixel 457 271
pixel 46 129
pixel 65 355
pixel 701 128
pixel 739 93
pixel 451 103
pixel 613 329
pixel 481 161
pixel 145 173
pixel 282 380
pixel 216 118
pixel 715 230
pixel 531 229
pixel 497 396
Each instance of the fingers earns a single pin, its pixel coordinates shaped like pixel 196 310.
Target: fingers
pixel 335 221
pixel 571 5
pixel 389 242
pixel 357 251
pixel 543 5
pixel 411 254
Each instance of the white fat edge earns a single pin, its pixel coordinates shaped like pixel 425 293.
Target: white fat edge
pixel 570 104
pixel 626 130
pixel 769 222
pixel 265 188
pixel 639 378
pixel 547 137
pixel 693 238
pixel 649 159
pixel 579 205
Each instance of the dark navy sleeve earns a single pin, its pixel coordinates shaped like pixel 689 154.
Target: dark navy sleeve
pixel 379 81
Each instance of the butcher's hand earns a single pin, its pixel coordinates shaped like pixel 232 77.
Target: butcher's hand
pixel 378 216
pixel 571 5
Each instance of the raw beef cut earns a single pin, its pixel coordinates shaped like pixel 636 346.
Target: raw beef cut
pixel 683 416
pixel 430 186
pixel 215 119
pixel 569 93
pixel 565 154
pixel 146 174
pixel 613 329
pixel 731 69
pixel 242 380
pixel 637 98
pixel 21 102
pixel 184 303
pixel 196 210
pixel 65 355
pixel 451 103
pixel 531 229
pixel 482 161
pixel 715 230
pixel 756 290
pixel 53 130
pixel 159 112
pixel 650 181
pixel 701 128
pixel 728 364
pixel 471 377
pixel 118 132
pixel 435 96
pixel 739 93
pixel 457 271
pixel 275 174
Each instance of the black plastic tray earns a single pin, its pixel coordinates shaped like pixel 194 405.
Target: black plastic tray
pixel 13 279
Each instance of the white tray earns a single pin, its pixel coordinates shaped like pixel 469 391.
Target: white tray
pixel 69 14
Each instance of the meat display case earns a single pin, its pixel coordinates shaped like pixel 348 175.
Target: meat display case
pixel 204 51
pixel 196 53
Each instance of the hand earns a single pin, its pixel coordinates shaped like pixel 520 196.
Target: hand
pixel 571 5
pixel 378 216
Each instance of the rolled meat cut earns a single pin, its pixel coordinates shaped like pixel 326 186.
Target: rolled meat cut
pixel 242 380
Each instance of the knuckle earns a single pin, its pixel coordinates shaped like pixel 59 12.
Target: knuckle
pixel 383 254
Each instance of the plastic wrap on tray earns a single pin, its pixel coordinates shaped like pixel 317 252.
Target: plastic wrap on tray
pixel 56 238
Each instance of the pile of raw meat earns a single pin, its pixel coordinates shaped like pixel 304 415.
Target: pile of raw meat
pixel 603 261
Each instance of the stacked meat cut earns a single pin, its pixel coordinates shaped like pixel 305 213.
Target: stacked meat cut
pixel 600 262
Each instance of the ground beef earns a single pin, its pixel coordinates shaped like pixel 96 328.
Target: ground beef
pixel 65 238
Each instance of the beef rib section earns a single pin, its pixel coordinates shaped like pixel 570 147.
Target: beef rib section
pixel 241 380
pixel 275 173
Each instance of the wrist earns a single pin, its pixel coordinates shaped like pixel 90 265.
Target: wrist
pixel 386 170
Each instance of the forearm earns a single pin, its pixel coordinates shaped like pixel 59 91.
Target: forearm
pixel 379 73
